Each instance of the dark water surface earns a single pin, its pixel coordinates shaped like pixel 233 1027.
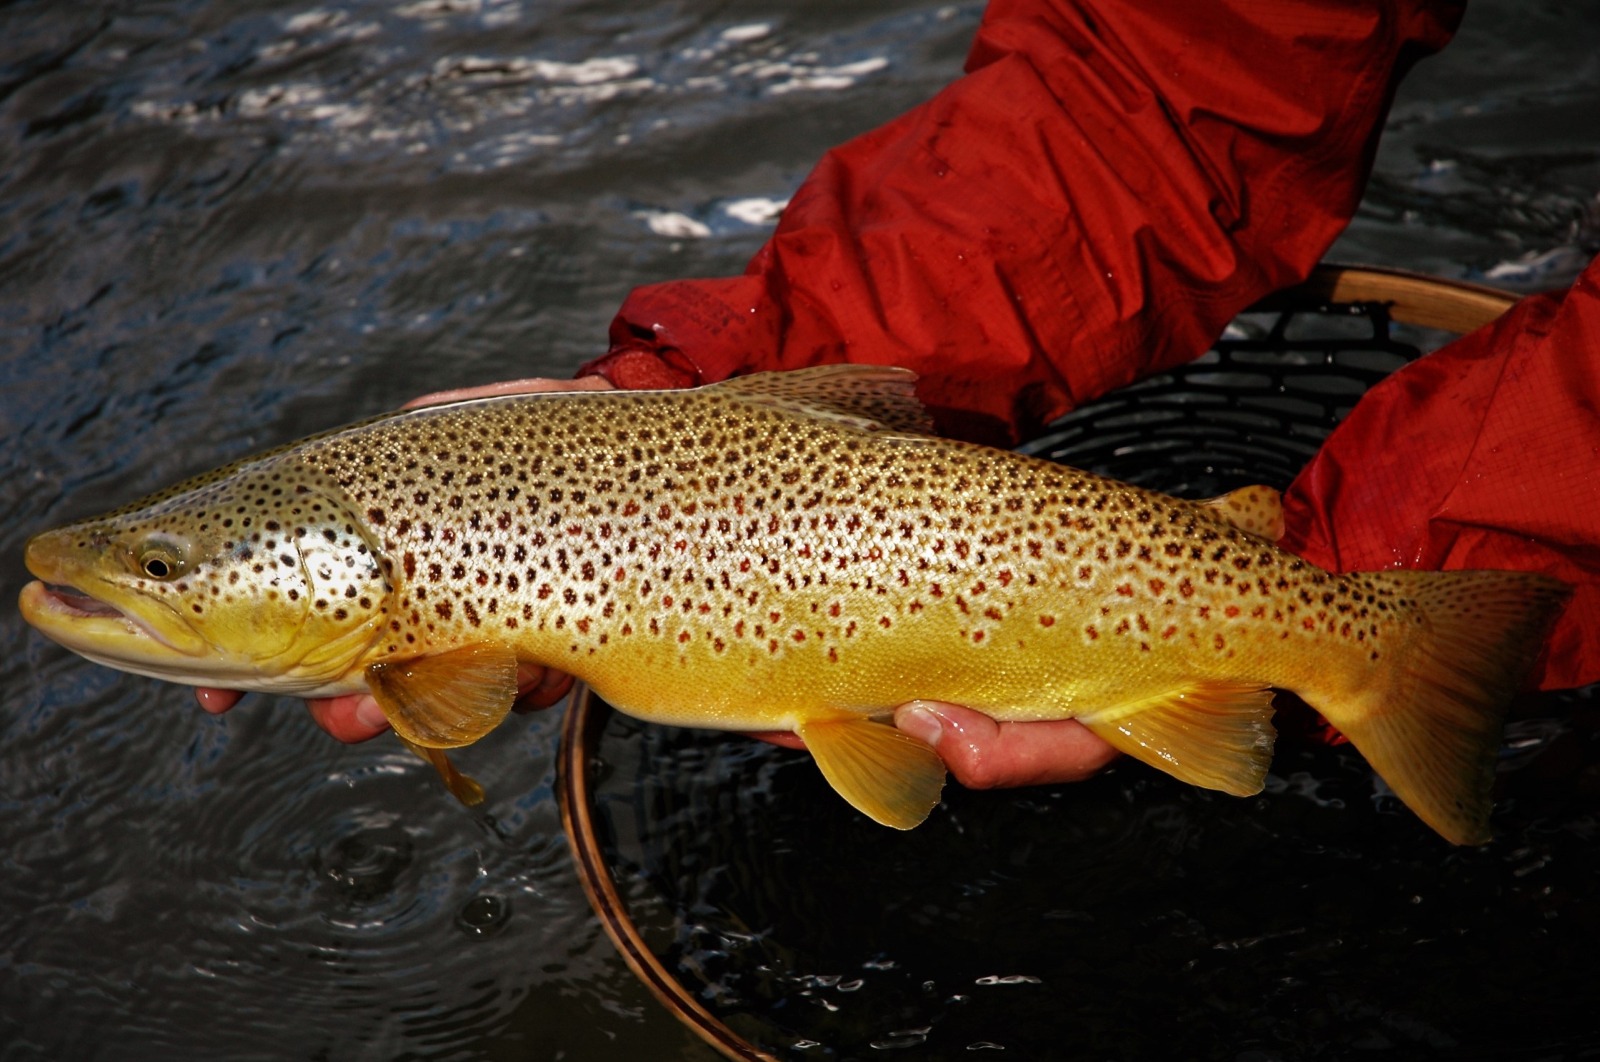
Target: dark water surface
pixel 225 225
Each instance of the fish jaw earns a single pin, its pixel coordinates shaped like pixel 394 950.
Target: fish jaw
pixel 76 603
pixel 100 633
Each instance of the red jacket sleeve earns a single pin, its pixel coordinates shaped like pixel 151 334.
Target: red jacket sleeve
pixel 1106 187
pixel 1481 455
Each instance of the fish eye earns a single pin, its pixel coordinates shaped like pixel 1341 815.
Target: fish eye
pixel 159 560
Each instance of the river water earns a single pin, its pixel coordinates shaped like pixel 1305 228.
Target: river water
pixel 226 225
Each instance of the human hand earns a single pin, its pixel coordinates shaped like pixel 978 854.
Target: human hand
pixel 536 385
pixel 983 753
pixel 356 716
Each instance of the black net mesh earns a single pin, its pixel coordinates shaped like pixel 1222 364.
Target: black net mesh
pixel 1253 410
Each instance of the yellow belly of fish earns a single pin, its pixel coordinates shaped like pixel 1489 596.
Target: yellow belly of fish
pixel 1040 657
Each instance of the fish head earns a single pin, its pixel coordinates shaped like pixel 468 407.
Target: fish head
pixel 254 578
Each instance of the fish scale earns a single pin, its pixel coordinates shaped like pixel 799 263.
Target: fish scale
pixel 653 535
pixel 794 552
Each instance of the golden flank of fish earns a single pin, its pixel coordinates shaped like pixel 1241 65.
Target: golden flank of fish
pixel 787 551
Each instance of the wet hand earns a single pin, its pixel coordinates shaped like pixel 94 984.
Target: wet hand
pixel 357 717
pixel 984 754
pixel 533 386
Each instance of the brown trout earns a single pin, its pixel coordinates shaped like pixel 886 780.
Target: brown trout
pixel 787 551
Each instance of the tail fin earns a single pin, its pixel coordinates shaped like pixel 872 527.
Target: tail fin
pixel 1431 721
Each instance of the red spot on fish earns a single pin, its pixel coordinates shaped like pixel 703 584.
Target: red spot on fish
pixel 1231 611
pixel 799 635
pixel 977 636
pixel 1047 621
pixel 1091 632
pixel 1156 586
pixel 883 621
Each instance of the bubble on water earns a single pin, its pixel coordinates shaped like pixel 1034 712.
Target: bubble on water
pixel 483 916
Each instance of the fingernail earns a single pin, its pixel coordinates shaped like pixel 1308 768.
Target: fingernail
pixel 369 715
pixel 920 722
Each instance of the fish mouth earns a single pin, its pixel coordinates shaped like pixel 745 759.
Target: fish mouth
pixel 98 629
pixel 73 602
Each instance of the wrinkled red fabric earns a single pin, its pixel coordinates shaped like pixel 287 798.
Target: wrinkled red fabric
pixel 1484 454
pixel 1107 186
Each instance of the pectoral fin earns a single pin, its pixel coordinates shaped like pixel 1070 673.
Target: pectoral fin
pixel 464 788
pixel 890 777
pixel 1217 735
pixel 449 699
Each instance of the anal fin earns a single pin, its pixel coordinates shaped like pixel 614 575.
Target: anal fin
pixel 463 787
pixel 890 777
pixel 446 700
pixel 1216 735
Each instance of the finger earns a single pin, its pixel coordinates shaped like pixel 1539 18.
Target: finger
pixel 351 718
pixel 985 754
pixel 532 386
pixel 217 701
pixel 784 738
pixel 540 687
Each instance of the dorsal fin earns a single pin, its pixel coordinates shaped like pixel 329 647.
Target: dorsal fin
pixel 869 397
pixel 1257 509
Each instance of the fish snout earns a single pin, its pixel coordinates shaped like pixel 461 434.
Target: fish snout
pixel 48 556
